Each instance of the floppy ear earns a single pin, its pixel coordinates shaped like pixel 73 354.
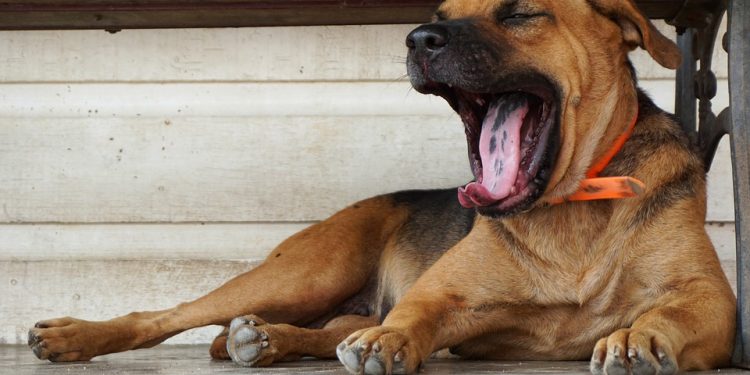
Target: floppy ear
pixel 638 31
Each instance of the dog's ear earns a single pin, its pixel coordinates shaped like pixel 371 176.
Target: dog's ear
pixel 638 31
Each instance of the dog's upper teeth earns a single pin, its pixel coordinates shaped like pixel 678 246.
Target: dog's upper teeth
pixel 480 102
pixel 449 85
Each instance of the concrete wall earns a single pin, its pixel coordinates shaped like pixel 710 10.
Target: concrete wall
pixel 142 169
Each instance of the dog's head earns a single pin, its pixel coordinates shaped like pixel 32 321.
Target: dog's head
pixel 543 87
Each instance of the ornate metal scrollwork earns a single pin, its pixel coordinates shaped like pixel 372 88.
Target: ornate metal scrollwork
pixel 698 26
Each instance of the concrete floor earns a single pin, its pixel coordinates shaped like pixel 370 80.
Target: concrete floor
pixel 173 360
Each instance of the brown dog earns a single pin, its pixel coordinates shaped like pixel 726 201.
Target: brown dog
pixel 548 98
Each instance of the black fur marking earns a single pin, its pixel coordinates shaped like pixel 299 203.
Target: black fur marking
pixel 436 221
pixel 679 188
pixel 385 308
pixel 647 141
pixel 493 144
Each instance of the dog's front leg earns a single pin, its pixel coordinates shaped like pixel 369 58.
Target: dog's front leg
pixel 693 330
pixel 464 294
pixel 407 338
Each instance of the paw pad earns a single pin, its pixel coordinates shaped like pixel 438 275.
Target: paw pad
pixel 246 342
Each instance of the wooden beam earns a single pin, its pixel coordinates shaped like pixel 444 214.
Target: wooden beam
pixel 114 15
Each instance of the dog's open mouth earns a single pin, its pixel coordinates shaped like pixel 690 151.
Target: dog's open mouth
pixel 512 143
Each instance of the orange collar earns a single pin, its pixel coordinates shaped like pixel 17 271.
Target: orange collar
pixel 594 187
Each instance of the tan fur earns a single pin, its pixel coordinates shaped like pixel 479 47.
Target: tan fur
pixel 558 282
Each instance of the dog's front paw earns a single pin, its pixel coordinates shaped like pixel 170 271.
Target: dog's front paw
pixel 379 350
pixel 632 351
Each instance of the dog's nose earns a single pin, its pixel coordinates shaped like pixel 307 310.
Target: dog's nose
pixel 429 39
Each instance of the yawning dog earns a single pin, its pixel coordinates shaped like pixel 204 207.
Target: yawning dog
pixel 581 237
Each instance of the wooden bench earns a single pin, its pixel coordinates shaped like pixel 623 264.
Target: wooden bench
pixel 125 14
pixel 697 23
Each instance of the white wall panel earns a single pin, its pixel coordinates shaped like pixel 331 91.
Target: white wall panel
pixel 232 54
pixel 374 52
pixel 109 101
pixel 211 241
pixel 218 169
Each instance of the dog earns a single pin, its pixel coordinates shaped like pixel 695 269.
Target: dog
pixel 581 237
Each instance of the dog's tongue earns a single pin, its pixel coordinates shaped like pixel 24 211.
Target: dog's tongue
pixel 500 151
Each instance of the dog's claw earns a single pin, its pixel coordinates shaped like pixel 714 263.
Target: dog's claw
pixel 647 354
pixel 33 338
pixel 351 359
pixel 37 350
pixel 237 322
